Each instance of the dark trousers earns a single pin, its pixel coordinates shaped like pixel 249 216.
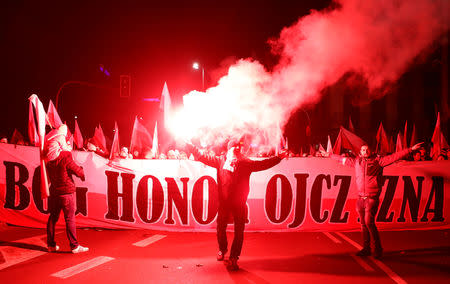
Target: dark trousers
pixel 66 203
pixel 239 213
pixel 367 209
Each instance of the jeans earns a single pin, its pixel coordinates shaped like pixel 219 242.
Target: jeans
pixel 66 203
pixel 239 213
pixel 367 209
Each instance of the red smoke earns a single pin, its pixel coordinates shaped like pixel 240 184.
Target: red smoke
pixel 376 39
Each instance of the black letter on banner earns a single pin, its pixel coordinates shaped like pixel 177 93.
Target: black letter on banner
pixel 316 198
pixel 300 201
pixel 157 200
pixel 340 200
pixel 36 190
pixel 11 183
pixel 271 199
pixel 198 198
pixel 437 190
pixel 81 193
pixel 174 197
pixel 113 196
pixel 409 196
pixel 388 197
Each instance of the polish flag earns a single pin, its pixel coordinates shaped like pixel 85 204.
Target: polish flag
pixel 399 144
pixel 382 141
pixel 165 104
pixel 329 146
pixel 438 140
pixel 99 138
pixel 350 125
pixel 347 140
pixel 405 141
pixel 36 108
pixel 115 147
pixel 78 138
pixel 17 137
pixel 140 138
pixel 155 149
pixel 54 121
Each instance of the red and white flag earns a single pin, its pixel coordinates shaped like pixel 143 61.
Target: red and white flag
pixel 383 146
pixel 77 137
pixel 54 121
pixel 32 125
pixel 405 136
pixel 350 125
pixel 329 146
pixel 155 149
pixel 438 140
pixel 140 138
pixel 165 104
pixel 17 137
pixel 337 148
pixel 348 140
pixel 399 144
pixel 99 139
pixel 37 108
pixel 115 147
pixel 321 148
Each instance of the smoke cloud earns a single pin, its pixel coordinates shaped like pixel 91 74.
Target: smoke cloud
pixel 376 39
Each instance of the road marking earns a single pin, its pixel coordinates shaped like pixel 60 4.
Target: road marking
pixel 13 254
pixel 71 271
pixel 333 238
pixel 350 241
pixel 149 240
pixel 363 263
pixel 394 276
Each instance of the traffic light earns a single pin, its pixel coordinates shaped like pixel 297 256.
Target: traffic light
pixel 125 86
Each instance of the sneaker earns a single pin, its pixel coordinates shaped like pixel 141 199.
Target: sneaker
pixel 53 249
pixel 232 264
pixel 377 254
pixel 220 255
pixel 363 252
pixel 79 249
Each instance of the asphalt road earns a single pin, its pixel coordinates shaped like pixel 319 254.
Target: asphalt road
pixel 145 256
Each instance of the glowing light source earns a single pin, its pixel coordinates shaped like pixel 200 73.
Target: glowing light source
pixel 196 66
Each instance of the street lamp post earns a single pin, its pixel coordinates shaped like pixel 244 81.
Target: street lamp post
pixel 196 66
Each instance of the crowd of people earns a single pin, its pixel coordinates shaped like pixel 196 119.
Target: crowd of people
pixel 421 154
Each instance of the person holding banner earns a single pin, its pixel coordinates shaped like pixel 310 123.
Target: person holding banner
pixel 233 176
pixel 368 171
pixel 60 168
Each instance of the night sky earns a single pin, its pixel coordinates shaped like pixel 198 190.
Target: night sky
pixel 47 44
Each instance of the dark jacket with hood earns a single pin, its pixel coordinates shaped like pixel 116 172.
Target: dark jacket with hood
pixel 60 171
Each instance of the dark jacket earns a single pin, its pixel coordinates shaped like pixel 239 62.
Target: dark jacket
pixel 369 170
pixel 60 173
pixel 234 186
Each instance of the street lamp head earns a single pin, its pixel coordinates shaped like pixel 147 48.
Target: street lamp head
pixel 196 66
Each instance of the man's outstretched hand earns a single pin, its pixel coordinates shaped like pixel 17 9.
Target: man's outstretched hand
pixel 417 146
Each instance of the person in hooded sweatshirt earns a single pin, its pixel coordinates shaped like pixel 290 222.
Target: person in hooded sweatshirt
pixel 61 167
pixel 233 178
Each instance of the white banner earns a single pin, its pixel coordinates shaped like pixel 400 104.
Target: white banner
pixel 299 194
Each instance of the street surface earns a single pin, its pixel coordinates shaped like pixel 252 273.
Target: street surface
pixel 146 256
